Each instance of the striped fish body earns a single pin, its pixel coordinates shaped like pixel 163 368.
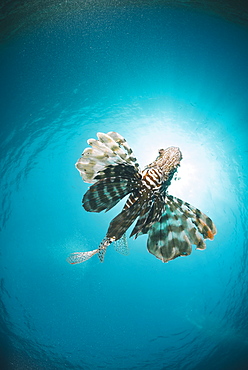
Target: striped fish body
pixel 171 224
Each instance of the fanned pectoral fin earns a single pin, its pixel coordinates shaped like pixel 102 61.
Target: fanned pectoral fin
pixel 105 194
pixel 167 239
pixel 203 224
pixel 113 184
pixel 109 149
pixel 180 226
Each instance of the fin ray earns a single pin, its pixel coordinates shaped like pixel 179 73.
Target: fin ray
pixel 110 149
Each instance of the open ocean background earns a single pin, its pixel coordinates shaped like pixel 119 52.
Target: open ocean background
pixel 160 75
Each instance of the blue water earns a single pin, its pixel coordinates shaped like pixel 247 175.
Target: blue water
pixel 159 77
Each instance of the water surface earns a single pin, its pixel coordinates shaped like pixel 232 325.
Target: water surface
pixel 159 76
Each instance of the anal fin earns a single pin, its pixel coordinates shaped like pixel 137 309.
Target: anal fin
pixel 121 245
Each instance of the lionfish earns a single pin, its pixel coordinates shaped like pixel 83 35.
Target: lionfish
pixel 172 225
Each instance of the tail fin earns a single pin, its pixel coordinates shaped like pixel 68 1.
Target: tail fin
pixel 79 257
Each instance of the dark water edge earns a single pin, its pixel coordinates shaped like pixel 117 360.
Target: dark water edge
pixel 56 129
pixel 24 15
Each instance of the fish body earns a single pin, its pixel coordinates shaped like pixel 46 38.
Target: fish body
pixel 171 224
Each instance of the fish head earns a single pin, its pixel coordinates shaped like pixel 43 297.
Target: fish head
pixel 167 163
pixel 169 159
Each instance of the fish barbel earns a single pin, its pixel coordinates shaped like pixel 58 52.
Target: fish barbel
pixel 171 224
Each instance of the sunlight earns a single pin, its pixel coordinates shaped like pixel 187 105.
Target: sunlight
pixel 198 179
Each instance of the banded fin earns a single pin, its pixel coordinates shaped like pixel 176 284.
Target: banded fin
pixel 121 245
pixel 150 212
pixel 119 225
pixel 180 226
pixel 110 149
pixel 107 192
pixel 203 223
